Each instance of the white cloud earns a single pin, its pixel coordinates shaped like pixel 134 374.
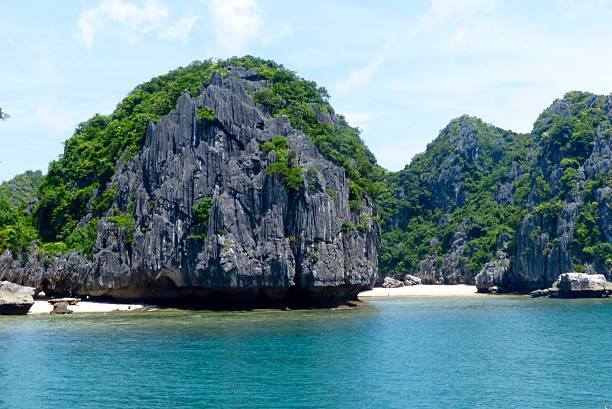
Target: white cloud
pixel 583 8
pixel 285 31
pixel 442 10
pixel 180 30
pixel 56 118
pixel 134 20
pixel 235 23
pixel 362 119
pixel 359 77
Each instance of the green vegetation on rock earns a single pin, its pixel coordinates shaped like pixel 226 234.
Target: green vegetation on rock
pixel 126 223
pixel 566 132
pixel 201 214
pixel 78 182
pixel 22 189
pixel 206 116
pixel 201 211
pixel 292 174
pixel 308 109
pixel 450 188
pixel 16 228
pixel 456 203
pixel 84 169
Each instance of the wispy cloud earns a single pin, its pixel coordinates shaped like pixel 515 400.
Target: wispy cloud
pixel 56 118
pixel 236 23
pixel 440 12
pixel 574 9
pixel 361 120
pixel 443 10
pixel 179 31
pixel 133 20
pixel 359 77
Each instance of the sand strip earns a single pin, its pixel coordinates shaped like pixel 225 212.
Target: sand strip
pixel 43 307
pixel 459 290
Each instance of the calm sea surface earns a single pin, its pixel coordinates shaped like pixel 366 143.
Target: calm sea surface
pixel 479 352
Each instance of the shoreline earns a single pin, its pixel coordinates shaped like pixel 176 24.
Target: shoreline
pixel 422 290
pixel 43 307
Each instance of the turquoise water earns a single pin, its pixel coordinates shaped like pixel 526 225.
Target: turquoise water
pixel 481 352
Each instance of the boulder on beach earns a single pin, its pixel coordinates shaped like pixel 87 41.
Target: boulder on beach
pixel 391 282
pixel 540 293
pixel 493 289
pixel 411 280
pixel 15 299
pixel 61 308
pixel 578 285
pixel 491 276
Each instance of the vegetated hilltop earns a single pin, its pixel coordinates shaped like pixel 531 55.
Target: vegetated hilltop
pixel 238 174
pixel 499 208
pixel 233 179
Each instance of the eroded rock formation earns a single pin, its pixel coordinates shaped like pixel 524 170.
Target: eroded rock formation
pixel 262 242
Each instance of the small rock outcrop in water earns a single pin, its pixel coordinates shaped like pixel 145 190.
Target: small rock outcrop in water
pixel 579 285
pixel 540 293
pixel 61 308
pixel 15 299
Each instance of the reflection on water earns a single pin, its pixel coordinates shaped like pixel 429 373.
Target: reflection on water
pixel 420 353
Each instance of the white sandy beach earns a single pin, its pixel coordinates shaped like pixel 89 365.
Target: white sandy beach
pixel 43 307
pixel 423 290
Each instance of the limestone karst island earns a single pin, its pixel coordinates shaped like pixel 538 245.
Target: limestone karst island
pixel 389 218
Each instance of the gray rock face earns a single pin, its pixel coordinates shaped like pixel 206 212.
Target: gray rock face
pixel 493 273
pixel 573 285
pixel 390 282
pixel 15 299
pixel 262 242
pixel 450 268
pixel 410 280
pixel 539 293
pixel 61 308
pixel 63 274
pixel 604 200
pixel 545 246
pixel 540 259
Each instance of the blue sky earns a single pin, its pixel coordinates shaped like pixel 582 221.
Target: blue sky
pixel 399 70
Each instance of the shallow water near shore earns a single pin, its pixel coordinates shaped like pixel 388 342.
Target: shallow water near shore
pixel 419 353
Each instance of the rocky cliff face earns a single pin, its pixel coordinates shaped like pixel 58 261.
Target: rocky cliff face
pixel 567 224
pixel 453 203
pixel 222 198
pixel 198 212
pixel 491 207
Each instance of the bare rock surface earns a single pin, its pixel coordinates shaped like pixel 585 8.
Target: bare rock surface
pixel 390 282
pixel 15 299
pixel 577 285
pixel 262 243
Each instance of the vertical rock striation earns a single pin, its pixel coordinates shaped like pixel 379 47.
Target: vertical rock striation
pixel 491 207
pixel 262 242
